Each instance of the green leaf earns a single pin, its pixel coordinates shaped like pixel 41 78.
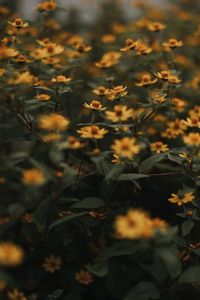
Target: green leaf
pixel 171 260
pixel 66 219
pixel 131 177
pixel 89 203
pixel 114 172
pixel 191 275
pixel 150 162
pixel 118 249
pixel 143 291
pixel 103 166
pixel 40 216
pixel 99 268
pixel 186 227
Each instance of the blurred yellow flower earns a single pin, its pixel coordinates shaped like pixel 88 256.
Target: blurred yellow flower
pixel 61 79
pixel 83 277
pixel 33 177
pixel 53 121
pixel 126 147
pixel 18 23
pixel 119 114
pixel 10 254
pixel 43 97
pixel 16 295
pixel 146 80
pixel 95 105
pixel 6 52
pixel 192 139
pixel 47 6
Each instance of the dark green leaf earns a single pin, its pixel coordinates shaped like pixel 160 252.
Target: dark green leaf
pixel 191 275
pixel 89 203
pixel 186 227
pixel 143 291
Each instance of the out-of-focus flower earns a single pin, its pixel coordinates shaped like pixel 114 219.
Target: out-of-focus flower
pixel 192 139
pixel 172 44
pixel 74 143
pixel 33 177
pixel 51 137
pixel 16 295
pixel 53 121
pixel 92 132
pixel 116 92
pixel 181 199
pixel 52 263
pixel 142 48
pixel 83 277
pixel 126 147
pixel 18 23
pixel 101 91
pixel 193 121
pixel 47 6
pixel 23 78
pixel 6 52
pixel 155 26
pixel 129 45
pixel 146 80
pixel 108 60
pixel 10 254
pixel 119 114
pixel 61 79
pixel 43 97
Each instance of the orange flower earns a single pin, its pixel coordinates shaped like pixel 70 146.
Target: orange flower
pixel 6 52
pixel 52 263
pixel 193 121
pixel 192 139
pixel 23 78
pixel 155 26
pixel 83 277
pixel 101 91
pixel 116 92
pixel 61 79
pixel 172 44
pixel 47 6
pixel 10 254
pixel 159 147
pixel 43 97
pixel 142 48
pixel 121 113
pixel 129 45
pixel 92 132
pixel 33 177
pixel 74 143
pixel 95 105
pixel 146 80
pixel 19 23
pixel 126 147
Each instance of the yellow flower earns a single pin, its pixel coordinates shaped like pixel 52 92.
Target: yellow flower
pixel 33 177
pixel 52 263
pixel 61 79
pixel 10 254
pixel 159 147
pixel 172 43
pixel 108 38
pixel 195 111
pixel 92 132
pixel 95 105
pixel 47 6
pixel 53 121
pixel 134 225
pixel 21 59
pixel 51 137
pixel 81 47
pixel 126 147
pixel 193 121
pixel 121 113
pixel 192 139
pixel 157 96
pixel 155 26
pixel 43 97
pixel 74 143
pixel 16 295
pixel 23 78
pixel 175 128
pixel 129 45
pixel 18 23
pixel 83 277
pixel 116 92
pixel 142 48
pixel 6 52
pixel 108 60
pixel 146 80
pixel 101 91
pixel 181 199
pixel 2 71
pixel 168 76
pixel 52 49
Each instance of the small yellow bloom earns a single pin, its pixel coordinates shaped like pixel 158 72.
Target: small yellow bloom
pixel 159 147
pixel 23 78
pixel 156 26
pixel 47 6
pixel 74 143
pixel 172 44
pixel 146 80
pixel 10 254
pixel 92 132
pixel 101 91
pixel 116 92
pixel 193 121
pixel 16 295
pixel 6 52
pixel 126 147
pixel 129 45
pixel 83 277
pixel 33 177
pixel 51 137
pixel 108 60
pixel 95 105
pixel 192 139
pixel 19 23
pixel 21 59
pixel 183 199
pixel 2 71
pixel 43 97
pixel 121 113
pixel 52 263
pixel 61 79
pixel 142 48
pixel 53 121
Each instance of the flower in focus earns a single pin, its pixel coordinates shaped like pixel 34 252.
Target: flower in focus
pixel 121 113
pixel 92 132
pixel 33 177
pixel 159 147
pixel 95 105
pixel 10 254
pixel 181 199
pixel 83 277
pixel 101 91
pixel 193 121
pixel 16 295
pixel 52 263
pixel 116 92
pixel 53 121
pixel 19 23
pixel 126 147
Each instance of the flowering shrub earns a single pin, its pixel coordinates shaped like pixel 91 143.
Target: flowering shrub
pixel 100 155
